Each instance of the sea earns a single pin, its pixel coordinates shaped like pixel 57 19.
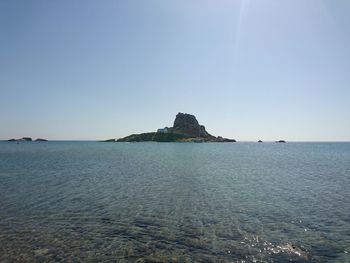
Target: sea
pixel 174 202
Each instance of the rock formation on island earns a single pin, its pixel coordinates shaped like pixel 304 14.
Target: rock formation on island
pixel 185 129
pixel 188 124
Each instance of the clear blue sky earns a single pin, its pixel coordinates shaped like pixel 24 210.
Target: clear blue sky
pixel 248 69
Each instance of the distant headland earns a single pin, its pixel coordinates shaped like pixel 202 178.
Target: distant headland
pixel 185 129
pixel 27 139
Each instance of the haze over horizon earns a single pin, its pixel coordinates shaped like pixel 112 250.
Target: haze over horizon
pixel 246 69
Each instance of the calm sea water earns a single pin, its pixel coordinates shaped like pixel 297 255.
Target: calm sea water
pixel 174 202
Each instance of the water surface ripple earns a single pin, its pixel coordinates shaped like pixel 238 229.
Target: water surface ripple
pixel 174 202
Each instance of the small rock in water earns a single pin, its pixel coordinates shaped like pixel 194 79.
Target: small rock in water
pixel 291 249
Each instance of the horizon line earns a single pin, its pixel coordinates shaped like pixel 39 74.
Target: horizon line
pixel 101 140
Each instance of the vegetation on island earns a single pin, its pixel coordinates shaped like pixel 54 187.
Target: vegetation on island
pixel 154 137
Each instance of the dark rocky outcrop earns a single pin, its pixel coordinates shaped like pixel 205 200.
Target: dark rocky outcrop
pixel 188 124
pixel 41 140
pixel 281 141
pixel 186 129
pixel 260 141
pixel 27 139
pixel 12 140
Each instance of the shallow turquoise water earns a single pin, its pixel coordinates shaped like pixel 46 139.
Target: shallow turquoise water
pixel 174 202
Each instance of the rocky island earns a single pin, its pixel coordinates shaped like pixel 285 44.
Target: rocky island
pixel 27 139
pixel 24 139
pixel 41 140
pixel 281 141
pixel 185 129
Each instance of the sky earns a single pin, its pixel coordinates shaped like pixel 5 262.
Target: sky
pixel 247 69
